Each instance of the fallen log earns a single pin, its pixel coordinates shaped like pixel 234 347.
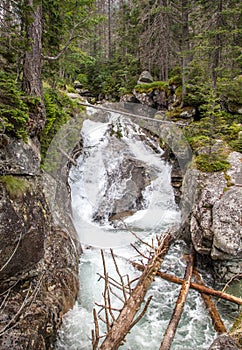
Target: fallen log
pixel 181 300
pixel 213 312
pixel 126 319
pixel 193 285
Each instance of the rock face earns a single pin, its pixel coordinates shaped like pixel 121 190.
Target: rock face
pixel 135 178
pixel 211 216
pixel 39 254
pixel 19 158
pixel 224 342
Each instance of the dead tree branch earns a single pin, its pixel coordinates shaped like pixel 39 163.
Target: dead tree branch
pixel 213 312
pixel 95 332
pixel 171 329
pixel 193 285
pixel 124 322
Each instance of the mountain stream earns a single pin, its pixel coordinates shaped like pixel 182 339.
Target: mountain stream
pixel 112 205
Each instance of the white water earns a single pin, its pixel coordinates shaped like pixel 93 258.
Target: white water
pixel 88 182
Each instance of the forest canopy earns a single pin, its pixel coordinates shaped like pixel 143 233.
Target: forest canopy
pixel 106 44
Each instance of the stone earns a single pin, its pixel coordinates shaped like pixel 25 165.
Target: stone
pixel 235 170
pixel 19 158
pixel 144 98
pixel 145 77
pixel 41 267
pixel 160 98
pixel 211 216
pixel 129 98
pixel 224 342
pixel 227 234
pixel 188 113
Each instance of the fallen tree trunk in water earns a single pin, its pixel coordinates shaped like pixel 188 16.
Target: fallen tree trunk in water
pixel 213 312
pixel 196 286
pixel 125 321
pixel 181 300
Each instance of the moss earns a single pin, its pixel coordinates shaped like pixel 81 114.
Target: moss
pixel 236 330
pixel 59 108
pixel 178 92
pixel 175 80
pixel 174 113
pixel 211 163
pixel 198 141
pixel 155 85
pixel 14 186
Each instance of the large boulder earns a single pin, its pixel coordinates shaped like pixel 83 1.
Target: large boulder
pixel 224 342
pixel 39 250
pixel 211 215
pixel 145 77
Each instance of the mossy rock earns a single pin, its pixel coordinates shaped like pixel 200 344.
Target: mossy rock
pixel 211 163
pixel 155 85
pixel 15 186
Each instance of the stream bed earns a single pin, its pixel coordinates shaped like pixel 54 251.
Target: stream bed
pixel 99 193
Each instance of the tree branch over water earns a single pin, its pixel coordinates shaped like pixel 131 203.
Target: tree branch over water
pixel 121 326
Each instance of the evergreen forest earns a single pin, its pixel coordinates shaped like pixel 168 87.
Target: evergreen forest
pixel 195 46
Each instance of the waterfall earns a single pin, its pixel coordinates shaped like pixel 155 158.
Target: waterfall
pixel 104 182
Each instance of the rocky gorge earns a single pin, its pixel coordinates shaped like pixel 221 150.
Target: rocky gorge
pixel 40 248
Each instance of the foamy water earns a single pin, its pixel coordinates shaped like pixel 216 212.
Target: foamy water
pixel 88 181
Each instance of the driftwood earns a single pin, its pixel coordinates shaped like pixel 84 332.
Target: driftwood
pixel 200 288
pixel 171 329
pixel 213 312
pixel 118 328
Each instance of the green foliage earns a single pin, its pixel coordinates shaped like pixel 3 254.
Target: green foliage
pixel 117 130
pixel 155 85
pixel 59 108
pixel 110 78
pixel 14 107
pixel 198 141
pixel 175 80
pixel 230 91
pixel 15 186
pixel 211 163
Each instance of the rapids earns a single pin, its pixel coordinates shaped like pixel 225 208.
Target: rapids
pixel 106 146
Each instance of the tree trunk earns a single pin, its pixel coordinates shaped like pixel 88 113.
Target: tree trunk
pixel 195 286
pixel 125 321
pixel 185 45
pixel 171 329
pixel 32 65
pixel 217 44
pixel 213 312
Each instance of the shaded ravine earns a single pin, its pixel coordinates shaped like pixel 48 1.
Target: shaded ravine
pixel 96 199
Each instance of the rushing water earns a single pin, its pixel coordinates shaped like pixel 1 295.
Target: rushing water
pixel 89 181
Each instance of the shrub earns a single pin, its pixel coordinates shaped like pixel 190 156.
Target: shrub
pixel 14 107
pixel 159 85
pixel 211 163
pixel 59 108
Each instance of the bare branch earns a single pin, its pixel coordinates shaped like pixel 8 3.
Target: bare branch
pixel 105 292
pixel 122 325
pixel 142 312
pixel 138 251
pixel 193 285
pixel 213 312
pixel 119 274
pixel 171 329
pixel 95 332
